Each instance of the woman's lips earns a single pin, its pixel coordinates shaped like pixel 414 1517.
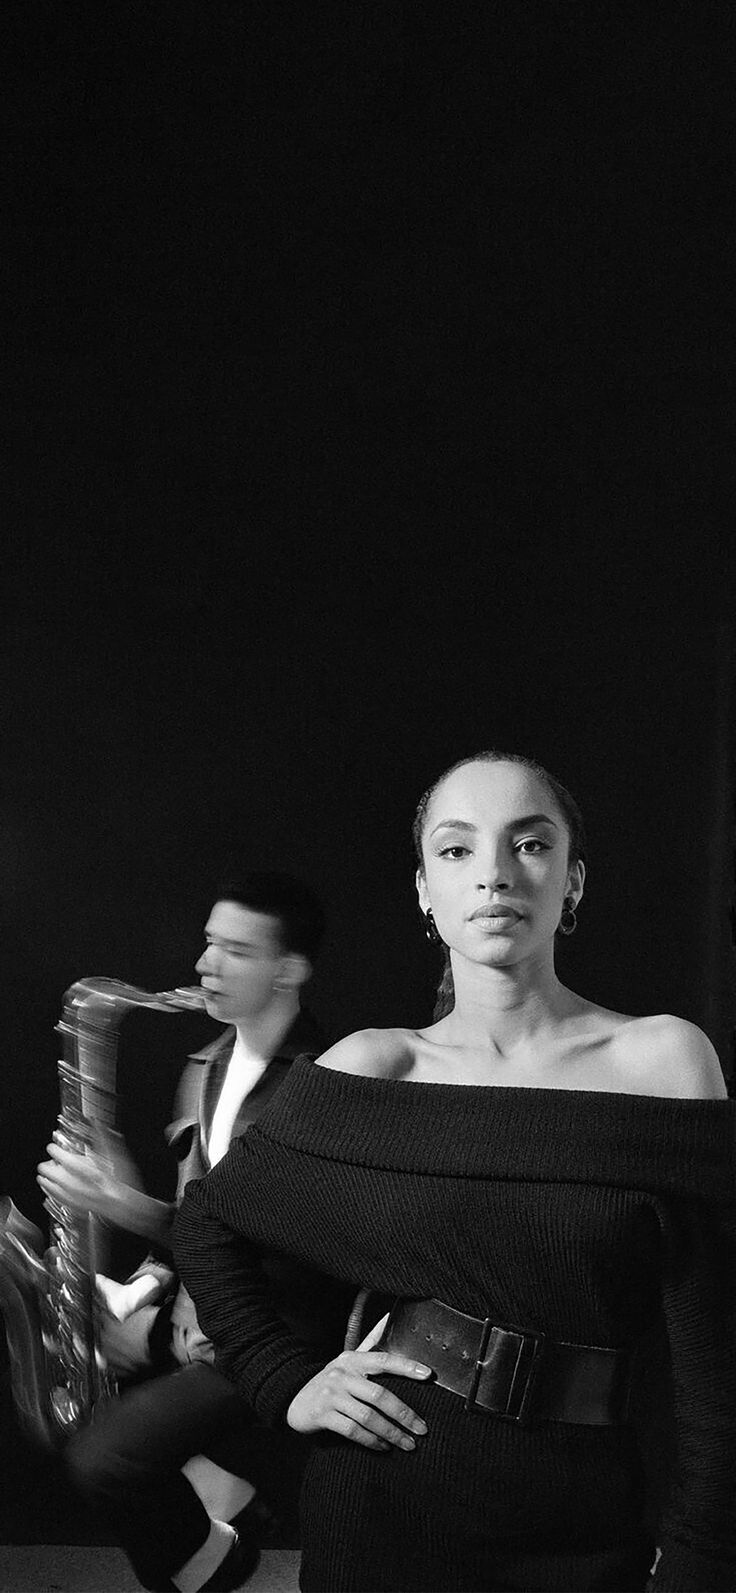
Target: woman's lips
pixel 484 913
pixel 503 918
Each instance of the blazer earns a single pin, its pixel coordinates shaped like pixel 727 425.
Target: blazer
pixel 297 1292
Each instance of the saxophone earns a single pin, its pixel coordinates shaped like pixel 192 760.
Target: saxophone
pixel 47 1294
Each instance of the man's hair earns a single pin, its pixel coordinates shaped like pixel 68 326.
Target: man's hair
pixel 300 915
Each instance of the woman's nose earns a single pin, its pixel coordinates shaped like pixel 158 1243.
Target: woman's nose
pixel 494 872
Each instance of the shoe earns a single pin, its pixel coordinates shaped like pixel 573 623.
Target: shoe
pixel 238 1565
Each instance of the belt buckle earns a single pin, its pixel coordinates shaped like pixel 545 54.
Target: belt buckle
pixel 514 1355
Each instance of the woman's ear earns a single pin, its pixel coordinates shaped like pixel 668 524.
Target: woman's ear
pixel 576 880
pixel 422 891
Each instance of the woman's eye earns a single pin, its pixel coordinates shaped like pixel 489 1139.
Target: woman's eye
pixel 454 851
pixel 532 846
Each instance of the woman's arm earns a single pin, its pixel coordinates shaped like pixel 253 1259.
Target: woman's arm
pixel 223 1274
pixel 276 1371
pixel 698 1532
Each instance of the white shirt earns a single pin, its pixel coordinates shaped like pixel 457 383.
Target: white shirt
pixel 244 1070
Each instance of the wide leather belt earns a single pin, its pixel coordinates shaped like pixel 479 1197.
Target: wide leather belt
pixel 516 1374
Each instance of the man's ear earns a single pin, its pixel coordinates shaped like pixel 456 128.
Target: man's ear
pixel 422 891
pixel 294 971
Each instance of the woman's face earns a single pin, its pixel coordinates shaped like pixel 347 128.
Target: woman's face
pixel 496 869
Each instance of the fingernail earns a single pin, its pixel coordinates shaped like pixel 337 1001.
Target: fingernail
pixel 407 1443
pixel 422 1371
pixel 418 1426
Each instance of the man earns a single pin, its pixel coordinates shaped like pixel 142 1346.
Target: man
pixel 261 939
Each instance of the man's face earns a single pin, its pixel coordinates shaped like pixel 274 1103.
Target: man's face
pixel 240 963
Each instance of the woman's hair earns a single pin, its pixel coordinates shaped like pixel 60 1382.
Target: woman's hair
pixel 568 807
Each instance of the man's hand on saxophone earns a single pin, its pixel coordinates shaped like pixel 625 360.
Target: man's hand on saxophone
pixel 105 1182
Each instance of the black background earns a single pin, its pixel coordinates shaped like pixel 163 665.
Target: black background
pixel 369 400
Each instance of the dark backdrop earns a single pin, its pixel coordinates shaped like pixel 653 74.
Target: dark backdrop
pixel 369 400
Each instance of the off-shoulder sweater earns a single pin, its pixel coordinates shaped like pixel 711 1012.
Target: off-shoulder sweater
pixel 579 1215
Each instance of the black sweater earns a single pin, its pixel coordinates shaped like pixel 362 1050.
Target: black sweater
pixel 576 1214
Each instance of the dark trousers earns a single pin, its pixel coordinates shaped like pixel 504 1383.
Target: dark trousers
pixel 127 1464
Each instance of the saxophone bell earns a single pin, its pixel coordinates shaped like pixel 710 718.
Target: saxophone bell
pixel 47 1294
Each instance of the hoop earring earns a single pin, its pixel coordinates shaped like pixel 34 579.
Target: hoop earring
pixel 568 919
pixel 430 929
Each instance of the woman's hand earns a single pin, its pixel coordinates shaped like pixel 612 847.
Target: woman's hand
pixel 342 1399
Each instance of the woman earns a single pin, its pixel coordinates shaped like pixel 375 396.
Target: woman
pixel 535 1180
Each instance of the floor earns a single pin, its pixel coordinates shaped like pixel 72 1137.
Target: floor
pixel 50 1542
pixel 61 1568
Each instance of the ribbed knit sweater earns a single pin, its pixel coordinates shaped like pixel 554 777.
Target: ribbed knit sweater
pixel 579 1215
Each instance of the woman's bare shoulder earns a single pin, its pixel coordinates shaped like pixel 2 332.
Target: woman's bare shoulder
pixel 666 1055
pixel 374 1053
